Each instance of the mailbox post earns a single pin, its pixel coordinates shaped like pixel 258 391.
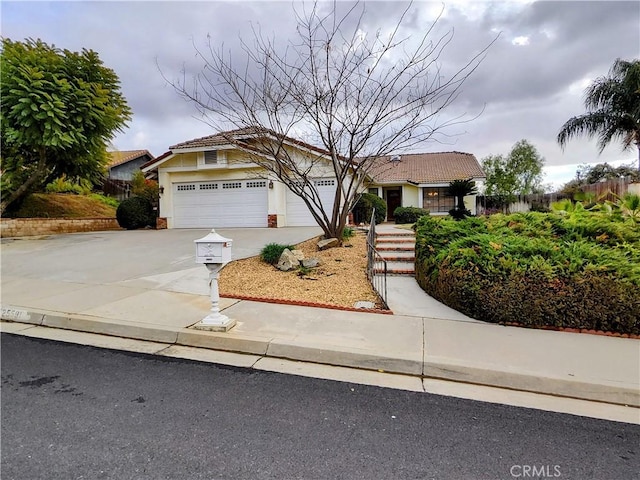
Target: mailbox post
pixel 214 251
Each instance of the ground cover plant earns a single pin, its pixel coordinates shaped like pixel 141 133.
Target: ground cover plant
pixel 573 268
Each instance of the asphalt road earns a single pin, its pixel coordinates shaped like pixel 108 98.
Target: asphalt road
pixel 76 412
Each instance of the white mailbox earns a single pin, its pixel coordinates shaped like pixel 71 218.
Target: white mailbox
pixel 215 252
pixel 213 248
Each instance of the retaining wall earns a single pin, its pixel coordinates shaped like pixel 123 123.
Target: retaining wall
pixel 24 227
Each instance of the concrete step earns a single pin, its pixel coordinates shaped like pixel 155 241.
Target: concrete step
pixel 396 248
pixel 399 267
pixel 398 233
pixel 397 271
pixel 395 240
pixel 398 256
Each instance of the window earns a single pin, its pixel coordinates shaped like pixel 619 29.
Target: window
pixel 325 183
pixel 208 186
pixel 435 199
pixel 211 157
pixel 182 188
pixel 231 185
pixel 257 184
pixel 373 191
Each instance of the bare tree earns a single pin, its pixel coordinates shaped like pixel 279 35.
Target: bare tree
pixel 354 95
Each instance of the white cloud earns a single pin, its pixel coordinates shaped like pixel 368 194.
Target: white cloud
pixel 525 92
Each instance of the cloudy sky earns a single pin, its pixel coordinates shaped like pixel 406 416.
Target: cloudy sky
pixel 531 81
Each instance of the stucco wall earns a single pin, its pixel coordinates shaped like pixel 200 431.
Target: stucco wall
pixel 23 227
pixel 410 196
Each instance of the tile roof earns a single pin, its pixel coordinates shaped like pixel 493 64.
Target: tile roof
pixel 235 136
pixel 441 167
pixel 123 156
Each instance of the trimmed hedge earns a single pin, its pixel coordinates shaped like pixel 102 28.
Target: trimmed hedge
pixel 409 214
pixel 579 270
pixel 364 207
pixel 135 212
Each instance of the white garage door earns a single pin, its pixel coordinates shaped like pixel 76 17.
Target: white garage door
pixel 298 214
pixel 217 204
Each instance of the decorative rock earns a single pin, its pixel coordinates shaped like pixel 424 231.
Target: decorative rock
pixel 328 243
pixel 363 304
pixel 298 254
pixel 287 261
pixel 310 262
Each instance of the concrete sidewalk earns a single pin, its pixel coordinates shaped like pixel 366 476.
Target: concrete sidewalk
pixel 604 369
pixel 93 283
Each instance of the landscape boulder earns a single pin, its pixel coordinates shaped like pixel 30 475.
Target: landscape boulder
pixel 298 254
pixel 310 262
pixel 328 243
pixel 287 261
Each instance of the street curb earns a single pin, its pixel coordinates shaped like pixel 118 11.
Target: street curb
pixel 299 350
pixel 530 382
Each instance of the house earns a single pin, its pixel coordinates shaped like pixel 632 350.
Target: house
pixel 124 163
pixel 421 180
pixel 214 181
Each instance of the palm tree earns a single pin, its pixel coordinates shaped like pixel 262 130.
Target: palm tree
pixel 613 109
pixel 460 189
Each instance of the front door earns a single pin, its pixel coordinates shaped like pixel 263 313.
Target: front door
pixel 394 200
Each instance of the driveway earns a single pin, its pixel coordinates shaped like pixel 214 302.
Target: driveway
pixel 162 259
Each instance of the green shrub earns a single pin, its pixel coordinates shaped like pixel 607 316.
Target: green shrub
pixel 112 202
pixel 145 188
pixel 347 233
pixel 409 214
pixel 577 269
pixel 364 207
pixel 459 213
pixel 135 212
pixel 271 252
pixel 64 185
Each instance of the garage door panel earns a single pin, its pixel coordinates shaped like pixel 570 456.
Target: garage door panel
pixel 218 204
pixel 298 214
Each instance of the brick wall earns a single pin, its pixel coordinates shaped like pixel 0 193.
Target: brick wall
pixel 23 227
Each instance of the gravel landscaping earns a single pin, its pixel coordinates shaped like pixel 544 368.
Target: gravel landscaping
pixel 339 280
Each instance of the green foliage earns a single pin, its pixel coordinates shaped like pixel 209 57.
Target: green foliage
pixel 365 205
pixel 135 212
pixel 112 202
pixel 59 110
pixel 145 188
pixel 613 108
pixel 63 185
pixel 460 189
pixel 347 233
pixel 520 173
pixel 271 252
pixel 408 214
pixel 578 269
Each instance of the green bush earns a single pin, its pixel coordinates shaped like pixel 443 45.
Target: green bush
pixel 135 212
pixel 271 252
pixel 112 202
pixel 145 188
pixel 577 270
pixel 409 214
pixel 63 185
pixel 347 233
pixel 364 207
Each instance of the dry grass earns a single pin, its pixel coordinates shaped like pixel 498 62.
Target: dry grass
pixel 63 205
pixel 339 280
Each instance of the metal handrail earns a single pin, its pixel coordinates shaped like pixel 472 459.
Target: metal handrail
pixel 376 265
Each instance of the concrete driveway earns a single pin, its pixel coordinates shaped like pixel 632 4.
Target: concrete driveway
pixel 163 259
